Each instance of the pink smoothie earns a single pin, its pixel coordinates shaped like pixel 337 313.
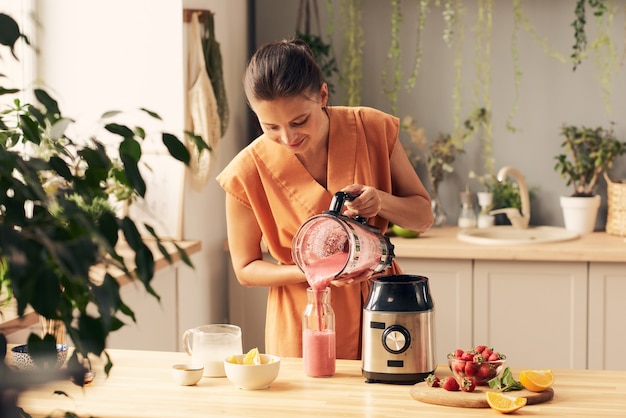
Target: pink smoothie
pixel 321 273
pixel 318 353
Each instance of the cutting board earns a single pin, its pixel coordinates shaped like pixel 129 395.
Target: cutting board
pixel 476 399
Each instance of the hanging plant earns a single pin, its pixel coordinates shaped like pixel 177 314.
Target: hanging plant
pixel 424 8
pixel 392 85
pixel 459 39
pixel 352 52
pixel 580 36
pixel 517 73
pixel 322 51
pixel 482 92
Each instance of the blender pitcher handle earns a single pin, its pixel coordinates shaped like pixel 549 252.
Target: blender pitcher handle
pixel 336 205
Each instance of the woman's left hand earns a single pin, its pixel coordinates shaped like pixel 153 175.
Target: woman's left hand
pixel 366 205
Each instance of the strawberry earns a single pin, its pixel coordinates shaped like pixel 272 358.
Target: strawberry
pixel 483 371
pixel 478 358
pixel 468 384
pixel 432 381
pixel 450 383
pixel 470 368
pixel 467 356
pixel 458 353
pixel 480 348
pixel 487 352
pixel 494 357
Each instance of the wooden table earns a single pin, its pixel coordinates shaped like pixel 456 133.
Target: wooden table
pixel 141 385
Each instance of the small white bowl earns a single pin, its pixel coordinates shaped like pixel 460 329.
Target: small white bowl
pixel 187 374
pixel 253 376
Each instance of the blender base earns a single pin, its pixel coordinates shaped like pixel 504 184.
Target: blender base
pixel 395 378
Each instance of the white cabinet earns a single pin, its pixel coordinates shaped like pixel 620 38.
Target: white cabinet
pixel 534 312
pixel 450 283
pixel 607 310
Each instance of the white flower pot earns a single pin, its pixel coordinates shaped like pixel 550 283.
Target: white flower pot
pixel 579 213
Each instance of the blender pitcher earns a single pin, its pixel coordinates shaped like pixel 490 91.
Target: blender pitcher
pixel 334 245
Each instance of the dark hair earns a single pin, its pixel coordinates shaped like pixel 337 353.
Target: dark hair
pixel 285 68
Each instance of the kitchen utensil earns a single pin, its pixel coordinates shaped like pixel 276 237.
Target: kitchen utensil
pixel 209 345
pixel 334 245
pixel 398 330
pixel 187 374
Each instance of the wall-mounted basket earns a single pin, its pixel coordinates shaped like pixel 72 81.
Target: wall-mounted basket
pixel 616 202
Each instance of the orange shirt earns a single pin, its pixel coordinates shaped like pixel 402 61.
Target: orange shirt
pixel 270 180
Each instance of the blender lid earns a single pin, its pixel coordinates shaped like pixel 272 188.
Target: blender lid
pixel 399 293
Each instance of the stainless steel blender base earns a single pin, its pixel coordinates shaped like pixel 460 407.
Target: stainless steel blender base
pixel 396 378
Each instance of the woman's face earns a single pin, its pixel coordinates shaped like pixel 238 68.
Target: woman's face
pixel 298 123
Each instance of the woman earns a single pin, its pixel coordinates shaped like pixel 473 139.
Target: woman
pixel 307 152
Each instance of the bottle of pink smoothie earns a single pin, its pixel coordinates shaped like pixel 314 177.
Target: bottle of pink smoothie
pixel 318 334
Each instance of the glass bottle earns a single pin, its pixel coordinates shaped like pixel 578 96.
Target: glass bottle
pixel 318 334
pixel 467 217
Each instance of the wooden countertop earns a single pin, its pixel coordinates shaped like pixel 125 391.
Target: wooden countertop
pixel 141 385
pixel 441 243
pixel 10 322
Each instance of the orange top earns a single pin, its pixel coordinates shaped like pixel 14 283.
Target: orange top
pixel 270 180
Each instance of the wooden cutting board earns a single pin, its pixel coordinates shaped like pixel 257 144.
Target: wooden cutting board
pixel 476 399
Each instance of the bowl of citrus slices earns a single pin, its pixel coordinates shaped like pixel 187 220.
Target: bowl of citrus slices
pixel 252 370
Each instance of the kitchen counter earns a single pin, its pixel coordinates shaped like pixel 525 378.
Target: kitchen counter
pixel 141 385
pixel 442 243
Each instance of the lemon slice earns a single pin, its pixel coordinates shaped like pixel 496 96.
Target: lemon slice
pixel 536 380
pixel 232 359
pixel 252 357
pixel 503 403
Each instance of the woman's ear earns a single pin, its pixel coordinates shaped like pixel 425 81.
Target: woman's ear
pixel 324 94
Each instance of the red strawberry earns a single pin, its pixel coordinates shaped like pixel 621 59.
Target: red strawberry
pixel 458 353
pixel 470 368
pixel 468 384
pixel 487 352
pixel 450 383
pixel 432 381
pixel 480 348
pixel 478 358
pixel 467 356
pixel 494 356
pixel 483 371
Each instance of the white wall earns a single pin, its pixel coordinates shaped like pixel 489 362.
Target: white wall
pixel 102 55
pixel 551 93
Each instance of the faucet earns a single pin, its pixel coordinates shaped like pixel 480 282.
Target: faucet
pixel 518 220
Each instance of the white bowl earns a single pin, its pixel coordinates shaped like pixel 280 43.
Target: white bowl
pixel 187 374
pixel 253 376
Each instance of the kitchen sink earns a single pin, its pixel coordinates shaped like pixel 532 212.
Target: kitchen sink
pixel 507 235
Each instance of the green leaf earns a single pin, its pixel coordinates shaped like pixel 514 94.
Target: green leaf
pixel 131 233
pixel 133 174
pixel 177 149
pixel 58 165
pixel 151 113
pixel 121 130
pixel 49 103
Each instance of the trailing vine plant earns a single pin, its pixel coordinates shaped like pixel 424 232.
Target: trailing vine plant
pixel 392 85
pixel 517 72
pixel 424 8
pixel 483 76
pixel 352 52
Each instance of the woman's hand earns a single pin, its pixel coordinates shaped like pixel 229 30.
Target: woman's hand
pixel 367 204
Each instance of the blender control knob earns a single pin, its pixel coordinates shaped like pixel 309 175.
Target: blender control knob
pixel 396 339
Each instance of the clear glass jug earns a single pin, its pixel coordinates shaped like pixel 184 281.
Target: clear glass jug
pixel 329 245
pixel 318 334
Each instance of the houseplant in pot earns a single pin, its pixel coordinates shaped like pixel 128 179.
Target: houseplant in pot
pixel 587 152
pixel 57 226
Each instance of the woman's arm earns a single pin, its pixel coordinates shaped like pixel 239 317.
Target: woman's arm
pixel 244 244
pixel 409 206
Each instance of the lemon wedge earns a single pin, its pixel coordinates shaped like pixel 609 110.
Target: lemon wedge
pixel 252 357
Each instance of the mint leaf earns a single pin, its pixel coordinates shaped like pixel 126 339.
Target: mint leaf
pixel 505 383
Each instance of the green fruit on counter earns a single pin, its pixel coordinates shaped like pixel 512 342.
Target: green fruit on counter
pixel 403 232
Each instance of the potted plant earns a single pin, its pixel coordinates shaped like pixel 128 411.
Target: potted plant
pixel 56 225
pixel 587 152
